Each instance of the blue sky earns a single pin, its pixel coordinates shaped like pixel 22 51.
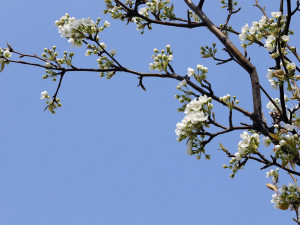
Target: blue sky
pixel 110 156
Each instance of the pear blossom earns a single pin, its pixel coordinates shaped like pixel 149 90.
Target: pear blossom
pixel 182 83
pixel 7 54
pixel 270 43
pixel 106 24
pixel 262 21
pixel 291 66
pixel 195 115
pixel 266 141
pixel 276 14
pixel 191 72
pixel 88 52
pixel 285 38
pixel 44 94
pixel 277 147
pixel 142 11
pixel 48 64
pixel 238 156
pixel 103 45
pixel 113 52
pixel 245 28
pixel 289 127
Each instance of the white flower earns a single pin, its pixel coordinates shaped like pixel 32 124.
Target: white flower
pixel 276 14
pixel 252 30
pixel 270 105
pixel 7 54
pixel 142 11
pixel 113 52
pixel 289 127
pixel 182 83
pixel 291 66
pixel 282 142
pixel 245 28
pixel 191 72
pixel 197 117
pixel 266 141
pixel 255 24
pixel 48 64
pixel 168 46
pixel 88 52
pixel 200 67
pixel 285 38
pixel 170 57
pixel 277 147
pixel 270 74
pixel 238 156
pixel 262 21
pixel 103 45
pixel 270 43
pixel 243 37
pixel 256 136
pixel 106 24
pixel 44 94
pixel 203 99
pixel 151 66
pixel 195 105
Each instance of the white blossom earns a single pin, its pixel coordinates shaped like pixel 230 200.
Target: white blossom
pixel 7 54
pixel 262 21
pixel 266 141
pixel 142 11
pixel 270 43
pixel 113 52
pixel 106 24
pixel 285 38
pixel 44 94
pixel 289 127
pixel 103 45
pixel 245 28
pixel 277 147
pixel 191 72
pixel 238 156
pixel 276 14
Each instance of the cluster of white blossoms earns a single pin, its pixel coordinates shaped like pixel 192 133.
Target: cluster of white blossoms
pixel 247 145
pixel 159 8
pixel 287 196
pixel 161 59
pixel 264 28
pixel 75 30
pixel 154 6
pixel 198 74
pixel 230 102
pixel 197 112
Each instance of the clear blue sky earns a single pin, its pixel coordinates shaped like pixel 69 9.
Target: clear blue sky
pixel 110 156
